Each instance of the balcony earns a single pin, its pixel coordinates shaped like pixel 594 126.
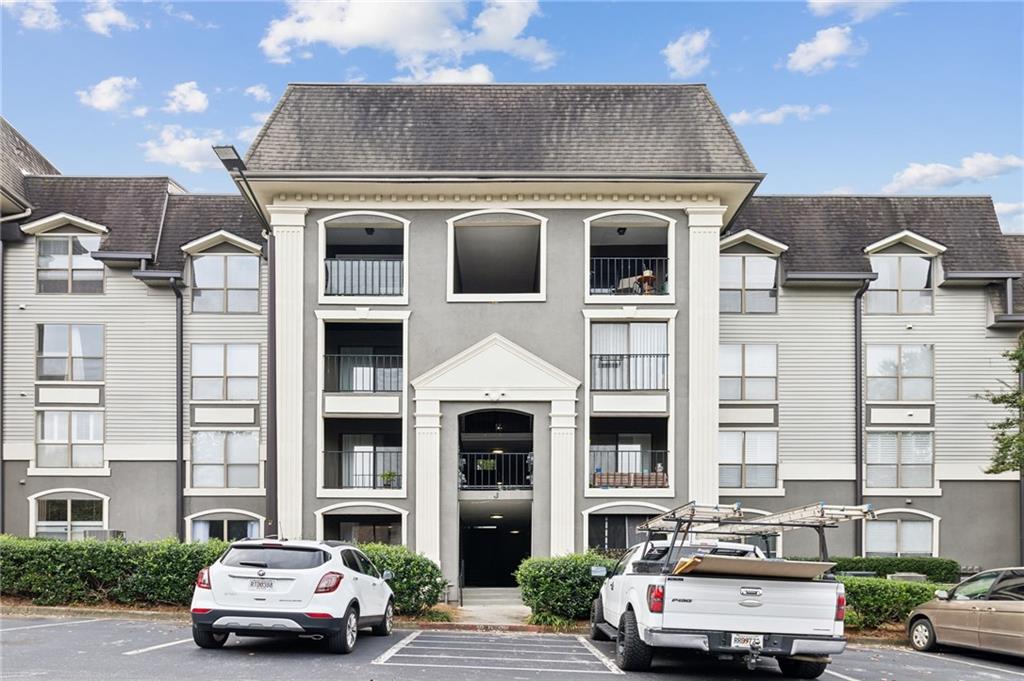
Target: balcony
pixel 628 468
pixel 496 470
pixel 629 257
pixel 631 276
pixel 370 468
pixel 625 372
pixel 364 275
pixel 347 373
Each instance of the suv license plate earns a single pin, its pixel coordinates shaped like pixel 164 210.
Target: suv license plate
pixel 747 640
pixel 261 585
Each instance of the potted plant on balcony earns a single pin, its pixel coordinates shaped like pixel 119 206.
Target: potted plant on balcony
pixel 388 479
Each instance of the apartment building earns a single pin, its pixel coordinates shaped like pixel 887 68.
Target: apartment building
pixel 509 320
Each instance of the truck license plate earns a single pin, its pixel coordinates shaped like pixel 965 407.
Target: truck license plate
pixel 261 585
pixel 747 640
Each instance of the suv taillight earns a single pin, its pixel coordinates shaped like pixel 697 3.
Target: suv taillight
pixel 329 583
pixel 840 607
pixel 203 579
pixel 656 598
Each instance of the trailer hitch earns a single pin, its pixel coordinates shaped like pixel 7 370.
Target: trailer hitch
pixel 753 656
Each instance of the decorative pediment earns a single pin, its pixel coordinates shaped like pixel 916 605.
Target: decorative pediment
pixel 907 238
pixel 495 368
pixel 219 237
pixel 58 220
pixel 755 239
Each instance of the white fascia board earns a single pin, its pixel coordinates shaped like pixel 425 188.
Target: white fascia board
pixel 220 237
pixel 56 220
pixel 912 239
pixel 756 239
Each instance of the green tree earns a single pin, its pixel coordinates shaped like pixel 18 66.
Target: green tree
pixel 1009 454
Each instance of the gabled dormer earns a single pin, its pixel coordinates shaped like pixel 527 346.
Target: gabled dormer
pixel 224 273
pixel 65 245
pixel 749 273
pixel 907 265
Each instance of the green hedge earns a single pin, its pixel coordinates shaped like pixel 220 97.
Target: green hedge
pixel 146 573
pixel 940 570
pixel 875 601
pixel 561 586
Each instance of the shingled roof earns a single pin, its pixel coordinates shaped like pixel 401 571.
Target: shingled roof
pixel 190 216
pixel 829 233
pixel 498 130
pixel 19 158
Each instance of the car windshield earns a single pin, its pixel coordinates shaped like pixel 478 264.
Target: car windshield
pixel 277 558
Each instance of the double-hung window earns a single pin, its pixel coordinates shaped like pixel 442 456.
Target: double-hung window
pixel 900 372
pixel 747 284
pixel 68 519
pixel 229 459
pixel 69 352
pixel 69 439
pixel 64 264
pixel 899 537
pixel 748 459
pixel 747 371
pixel 899 460
pixel 225 283
pixel 904 285
pixel 225 371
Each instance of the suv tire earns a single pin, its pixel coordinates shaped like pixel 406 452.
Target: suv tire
pixel 388 623
pixel 922 635
pixel 801 669
pixel 343 641
pixel 631 653
pixel 597 618
pixel 205 638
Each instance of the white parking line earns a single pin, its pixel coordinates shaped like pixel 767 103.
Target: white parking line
pixel 158 647
pixel 496 659
pixel 52 624
pixel 395 648
pixel 522 646
pixel 844 677
pixel 614 668
pixel 506 669
pixel 947 658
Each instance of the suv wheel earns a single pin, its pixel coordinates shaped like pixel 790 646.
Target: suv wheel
pixel 205 638
pixel 344 640
pixel 922 635
pixel 631 653
pixel 596 618
pixel 388 623
pixel 801 669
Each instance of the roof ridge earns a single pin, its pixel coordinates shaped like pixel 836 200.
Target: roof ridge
pixel 485 85
pixel 873 196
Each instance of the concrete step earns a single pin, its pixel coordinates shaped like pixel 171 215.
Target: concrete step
pixel 486 596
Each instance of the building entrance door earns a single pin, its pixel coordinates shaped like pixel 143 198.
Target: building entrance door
pixel 494 540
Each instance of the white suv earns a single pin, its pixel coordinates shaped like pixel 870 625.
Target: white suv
pixel 320 590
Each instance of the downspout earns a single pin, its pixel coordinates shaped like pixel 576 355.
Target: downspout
pixel 858 398
pixel 179 424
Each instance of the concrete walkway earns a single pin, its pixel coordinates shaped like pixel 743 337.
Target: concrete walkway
pixel 492 606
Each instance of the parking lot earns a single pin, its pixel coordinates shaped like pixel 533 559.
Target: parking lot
pixel 84 649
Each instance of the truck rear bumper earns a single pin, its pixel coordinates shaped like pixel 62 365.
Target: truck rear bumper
pixel 720 642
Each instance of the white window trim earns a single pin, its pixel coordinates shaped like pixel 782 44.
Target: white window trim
pixel 259 491
pixel 58 220
pixel 910 511
pixel 361 315
pixel 625 314
pixel 780 487
pixel 322 228
pixel 908 238
pixel 222 236
pixel 657 508
pixel 670 298
pixel 755 239
pixel 33 510
pixel 540 296
pixel 198 515
pixel 326 510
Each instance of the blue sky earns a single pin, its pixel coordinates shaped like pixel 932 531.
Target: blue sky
pixel 841 97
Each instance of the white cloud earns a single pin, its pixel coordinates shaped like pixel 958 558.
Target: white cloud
pixel 424 37
pixel 179 146
pixel 687 55
pixel 977 166
pixel 822 52
pixel 186 97
pixel 1011 217
pixel 858 10
pixel 842 190
pixel 354 74
pixel 109 94
pixel 248 133
pixel 104 15
pixel 801 112
pixel 477 73
pixel 140 111
pixel 259 92
pixel 172 11
pixel 36 14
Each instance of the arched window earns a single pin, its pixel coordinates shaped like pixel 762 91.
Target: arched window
pixel 67 513
pixel 497 255
pixel 902 532
pixel 227 524
pixel 365 257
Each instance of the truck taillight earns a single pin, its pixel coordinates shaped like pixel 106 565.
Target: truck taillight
pixel 840 607
pixel 656 598
pixel 203 579
pixel 329 583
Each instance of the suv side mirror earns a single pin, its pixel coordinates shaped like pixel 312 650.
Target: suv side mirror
pixel 388 575
pixel 598 571
pixel 942 594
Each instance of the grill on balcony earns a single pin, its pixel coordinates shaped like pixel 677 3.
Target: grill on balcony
pixel 363 373
pixel 629 276
pixel 489 470
pixel 643 468
pixel 369 468
pixel 622 372
pixel 364 275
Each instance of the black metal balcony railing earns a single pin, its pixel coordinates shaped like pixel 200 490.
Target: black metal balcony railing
pixel 621 372
pixel 376 468
pixel 362 373
pixel 611 467
pixel 629 276
pixel 364 275
pixel 487 470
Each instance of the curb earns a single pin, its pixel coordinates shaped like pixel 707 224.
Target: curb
pixel 109 613
pixel 497 627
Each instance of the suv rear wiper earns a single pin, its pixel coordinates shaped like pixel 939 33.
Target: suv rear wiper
pixel 252 563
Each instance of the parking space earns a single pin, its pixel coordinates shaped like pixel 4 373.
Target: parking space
pixel 90 649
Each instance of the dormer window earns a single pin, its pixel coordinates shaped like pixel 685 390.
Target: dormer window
pixel 747 284
pixel 225 283
pixel 65 264
pixel 904 285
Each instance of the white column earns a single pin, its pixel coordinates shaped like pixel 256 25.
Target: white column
pixel 563 476
pixel 428 479
pixel 289 225
pixel 705 226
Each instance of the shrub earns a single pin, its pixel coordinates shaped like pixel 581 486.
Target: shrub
pixel 418 583
pixel 556 622
pixel 939 570
pixel 562 585
pixel 879 601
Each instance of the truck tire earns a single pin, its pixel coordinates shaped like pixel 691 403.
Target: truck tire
pixel 631 653
pixel 204 638
pixel 801 669
pixel 922 635
pixel 596 618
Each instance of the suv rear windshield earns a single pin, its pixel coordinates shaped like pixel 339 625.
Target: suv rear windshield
pixel 278 558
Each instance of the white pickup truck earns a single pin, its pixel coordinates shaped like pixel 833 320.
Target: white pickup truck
pixel 725 599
